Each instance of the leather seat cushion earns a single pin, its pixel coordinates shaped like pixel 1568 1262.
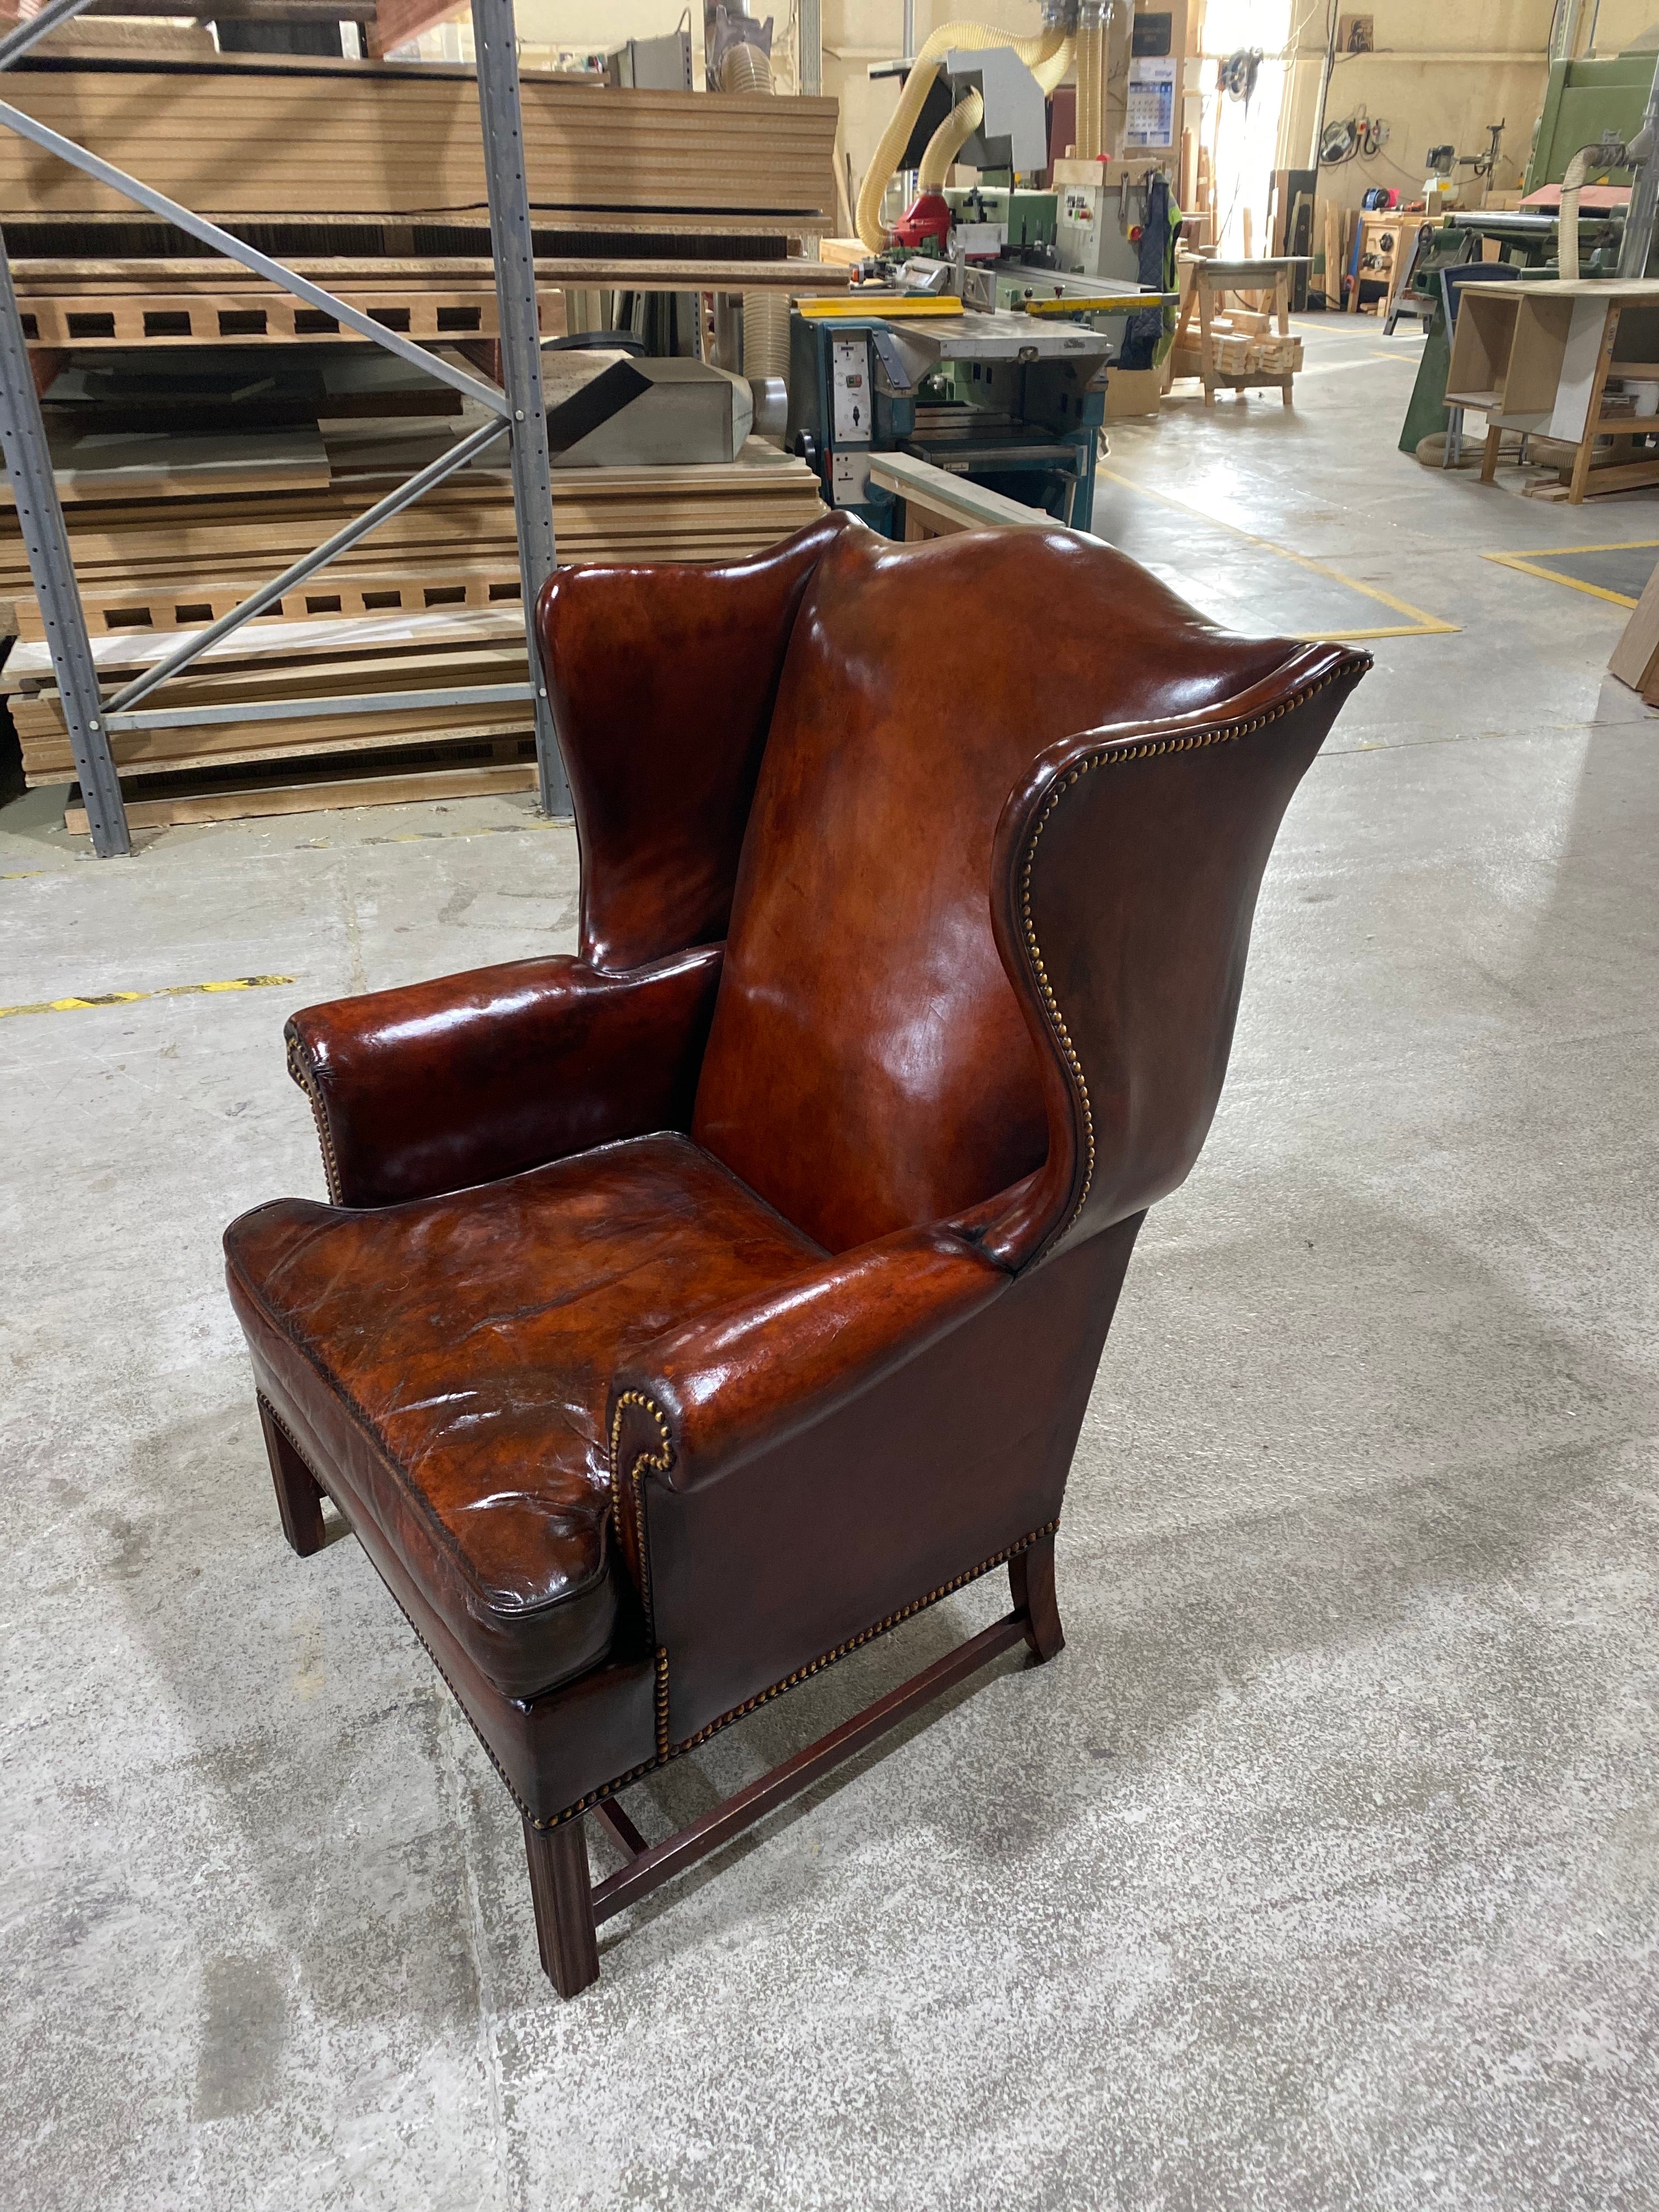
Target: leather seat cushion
pixel 452 1358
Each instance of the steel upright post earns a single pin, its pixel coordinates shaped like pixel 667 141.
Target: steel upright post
pixel 496 47
pixel 46 541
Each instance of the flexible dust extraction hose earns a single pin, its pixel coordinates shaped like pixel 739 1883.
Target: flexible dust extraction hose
pixel 746 69
pixel 1095 24
pixel 1605 153
pixel 1567 228
pixel 1047 56
pixel 1091 73
pixel 947 142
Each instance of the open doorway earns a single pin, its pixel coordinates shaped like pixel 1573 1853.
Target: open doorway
pixel 1244 47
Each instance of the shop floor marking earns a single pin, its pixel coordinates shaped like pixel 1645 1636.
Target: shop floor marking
pixel 1421 625
pixel 130 998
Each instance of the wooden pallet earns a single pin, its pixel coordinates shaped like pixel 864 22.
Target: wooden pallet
pixel 330 595
pixel 228 316
pixel 483 769
pixel 83 304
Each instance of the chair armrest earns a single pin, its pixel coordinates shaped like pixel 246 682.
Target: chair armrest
pixel 704 1398
pixel 473 1077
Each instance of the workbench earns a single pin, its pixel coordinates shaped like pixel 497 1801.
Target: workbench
pixel 1206 283
pixel 1536 358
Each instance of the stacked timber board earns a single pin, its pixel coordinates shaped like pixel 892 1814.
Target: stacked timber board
pixel 353 139
pixel 150 565
pixel 370 179
pixel 430 600
pixel 238 769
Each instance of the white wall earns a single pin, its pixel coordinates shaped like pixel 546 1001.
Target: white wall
pixel 1440 74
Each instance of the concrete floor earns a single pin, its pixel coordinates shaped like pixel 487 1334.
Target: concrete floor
pixel 1319 1872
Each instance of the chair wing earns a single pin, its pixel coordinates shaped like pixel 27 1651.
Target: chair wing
pixel 1125 877
pixel 662 681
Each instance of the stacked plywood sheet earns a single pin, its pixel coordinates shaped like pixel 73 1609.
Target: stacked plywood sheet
pixel 430 601
pixel 154 564
pixel 221 769
pixel 371 178
pixel 345 139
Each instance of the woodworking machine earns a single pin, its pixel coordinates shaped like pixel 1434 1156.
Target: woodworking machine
pixel 1011 400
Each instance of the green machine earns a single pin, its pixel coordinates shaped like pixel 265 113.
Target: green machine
pixel 1025 220
pixel 1585 102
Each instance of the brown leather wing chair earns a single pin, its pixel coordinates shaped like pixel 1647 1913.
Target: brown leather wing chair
pixel 688 1312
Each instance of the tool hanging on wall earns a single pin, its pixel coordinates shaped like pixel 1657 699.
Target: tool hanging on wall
pixel 1236 76
pixel 1358 136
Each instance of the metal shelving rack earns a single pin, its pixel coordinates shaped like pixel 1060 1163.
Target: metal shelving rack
pixel 517 408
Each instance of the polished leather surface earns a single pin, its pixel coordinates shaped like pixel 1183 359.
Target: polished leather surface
pixel 470 1341
pixel 472 1077
pixel 870 1067
pixel 984 953
pixel 703 1398
pixel 1127 869
pixel 662 681
pixel 551 1751
pixel 900 1486
pixel 744 1377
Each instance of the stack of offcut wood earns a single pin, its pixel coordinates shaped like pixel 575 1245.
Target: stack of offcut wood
pixel 1242 353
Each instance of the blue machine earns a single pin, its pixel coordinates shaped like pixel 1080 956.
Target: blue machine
pixel 1010 401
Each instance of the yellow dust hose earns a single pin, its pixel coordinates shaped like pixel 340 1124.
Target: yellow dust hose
pixel 1047 56
pixel 746 69
pixel 947 142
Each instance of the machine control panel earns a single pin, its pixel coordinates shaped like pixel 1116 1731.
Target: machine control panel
pixel 851 405
pixel 849 479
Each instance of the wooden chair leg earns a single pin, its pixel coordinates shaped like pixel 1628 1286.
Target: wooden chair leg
pixel 299 1499
pixel 562 1892
pixel 1032 1580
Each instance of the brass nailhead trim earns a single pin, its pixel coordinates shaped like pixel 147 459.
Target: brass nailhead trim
pixel 918 1605
pixel 662 1460
pixel 1109 756
pixel 299 1070
pixel 278 1421
pixel 662 1702
pixel 665 1751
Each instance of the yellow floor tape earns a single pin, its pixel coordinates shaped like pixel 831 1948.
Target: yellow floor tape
pixel 1421 625
pixel 1531 563
pixel 129 998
